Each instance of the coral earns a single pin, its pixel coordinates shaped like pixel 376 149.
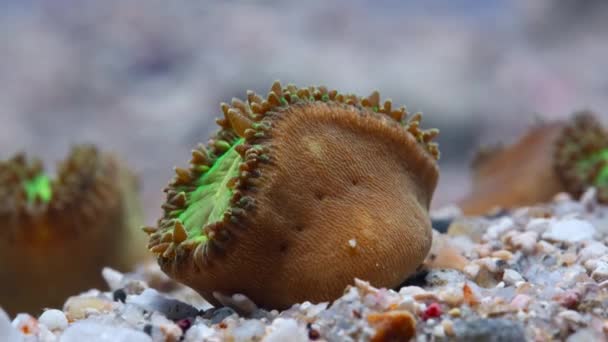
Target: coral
pixel 550 158
pixel 581 156
pixel 296 195
pixel 81 221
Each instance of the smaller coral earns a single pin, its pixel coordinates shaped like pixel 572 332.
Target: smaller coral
pixel 581 156
pixel 81 221
pixel 550 158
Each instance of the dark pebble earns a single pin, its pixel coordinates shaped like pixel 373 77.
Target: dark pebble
pixel 441 225
pixel 489 330
pixel 148 329
pixel 313 334
pixel 119 295
pixel 416 279
pixel 216 315
pixel 173 309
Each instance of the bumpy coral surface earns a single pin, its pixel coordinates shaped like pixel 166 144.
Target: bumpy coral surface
pixel 549 158
pixel 297 195
pixel 57 234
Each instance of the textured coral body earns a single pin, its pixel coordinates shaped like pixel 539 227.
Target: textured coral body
pixel 342 192
pixel 51 250
pixel 518 175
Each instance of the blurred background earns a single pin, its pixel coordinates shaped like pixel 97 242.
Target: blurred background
pixel 145 78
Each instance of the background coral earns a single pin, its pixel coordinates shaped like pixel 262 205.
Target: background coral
pixel 551 157
pixel 57 233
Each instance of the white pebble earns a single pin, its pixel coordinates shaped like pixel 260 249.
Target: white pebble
pixel 407 303
pixel 112 277
pixel 593 250
pixel 570 231
pixel 600 273
pixel 572 316
pixel 96 332
pixel 199 332
pixel 589 198
pixel 250 330
pixel 283 329
pixel 352 243
pixel 544 247
pixel 8 333
pixel 489 263
pixel 525 241
pixel 411 291
pixel 472 270
pixel 499 228
pixel 438 331
pixel 46 335
pixel 54 319
pixel 538 225
pixel 511 277
pixel 26 324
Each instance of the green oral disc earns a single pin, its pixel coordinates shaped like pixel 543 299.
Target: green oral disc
pixel 211 198
pixel 38 187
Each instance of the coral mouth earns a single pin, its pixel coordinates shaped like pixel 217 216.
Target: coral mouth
pixel 38 188
pixel 211 198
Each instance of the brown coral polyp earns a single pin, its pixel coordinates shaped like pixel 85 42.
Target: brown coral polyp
pixel 564 156
pixel 57 234
pixel 297 195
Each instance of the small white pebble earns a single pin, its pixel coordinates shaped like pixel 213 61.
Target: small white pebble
pixel 600 273
pixel 26 324
pixel 521 315
pixel 538 225
pixel 511 277
pixel 562 197
pixel 593 250
pixel 438 331
pixel 199 332
pixel 472 270
pixel 499 228
pixel 589 198
pixel 525 241
pixel 521 301
pixel 570 231
pixel 488 263
pixel 411 291
pixel 572 316
pixel 54 319
pixel 284 329
pixel 7 331
pixel 352 243
pixel 545 247
pixel 112 277
pixel 407 303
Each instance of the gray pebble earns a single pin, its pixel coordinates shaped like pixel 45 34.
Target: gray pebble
pixel 489 330
pixel 216 315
